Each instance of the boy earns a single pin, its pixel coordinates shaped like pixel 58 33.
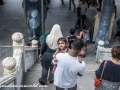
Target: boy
pixel 71 38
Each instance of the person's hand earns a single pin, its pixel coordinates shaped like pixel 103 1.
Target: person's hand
pixel 79 74
pixel 40 56
pixel 55 60
pixel 53 55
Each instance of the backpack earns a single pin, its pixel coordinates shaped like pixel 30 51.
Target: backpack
pixel 86 36
pixel 43 37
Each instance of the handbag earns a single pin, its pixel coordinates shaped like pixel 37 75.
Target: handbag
pixel 98 81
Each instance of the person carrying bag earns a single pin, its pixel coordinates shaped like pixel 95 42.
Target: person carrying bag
pixel 109 75
pixel 98 81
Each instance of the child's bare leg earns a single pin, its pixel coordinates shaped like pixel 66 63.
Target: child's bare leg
pixel 80 59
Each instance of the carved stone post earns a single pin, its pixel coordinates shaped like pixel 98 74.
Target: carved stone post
pixel 18 41
pixel 9 65
pixel 100 46
pixel 34 43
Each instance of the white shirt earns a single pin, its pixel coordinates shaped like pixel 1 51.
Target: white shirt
pixel 65 75
pixel 83 7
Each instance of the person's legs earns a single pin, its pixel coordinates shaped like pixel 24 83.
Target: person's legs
pixel 74 5
pixel 73 88
pixel 58 88
pixel 44 75
pixel 1 2
pixel 62 2
pixel 51 75
pixel 78 22
pixel 87 3
pixel 83 19
pixel 100 4
pixel 70 4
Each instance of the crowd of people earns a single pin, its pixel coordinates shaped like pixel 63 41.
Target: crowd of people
pixel 61 57
pixel 62 63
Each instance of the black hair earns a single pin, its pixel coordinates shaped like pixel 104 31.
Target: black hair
pixel 84 27
pixel 77 44
pixel 62 39
pixel 72 31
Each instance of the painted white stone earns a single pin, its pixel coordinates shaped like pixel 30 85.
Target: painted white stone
pixel 101 43
pixel 17 38
pixel 9 65
pixel 34 43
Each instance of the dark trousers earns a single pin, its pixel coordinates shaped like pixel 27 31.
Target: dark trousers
pixel 83 18
pixel 78 22
pixel 1 1
pixel 72 3
pixel 45 73
pixel 72 88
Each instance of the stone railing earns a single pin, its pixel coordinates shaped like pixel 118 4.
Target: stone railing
pixel 102 52
pixel 23 58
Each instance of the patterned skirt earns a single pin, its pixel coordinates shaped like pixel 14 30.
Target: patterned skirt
pixel 107 85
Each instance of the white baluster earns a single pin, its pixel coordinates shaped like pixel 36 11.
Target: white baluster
pixel 9 65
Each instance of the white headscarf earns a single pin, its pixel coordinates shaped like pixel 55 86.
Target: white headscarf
pixel 53 37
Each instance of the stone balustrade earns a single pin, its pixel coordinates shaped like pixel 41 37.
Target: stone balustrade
pixel 102 52
pixel 23 58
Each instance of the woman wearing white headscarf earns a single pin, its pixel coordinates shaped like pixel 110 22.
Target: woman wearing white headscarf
pixel 47 50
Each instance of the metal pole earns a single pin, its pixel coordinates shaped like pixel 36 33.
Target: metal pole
pixel 42 16
pixel 25 20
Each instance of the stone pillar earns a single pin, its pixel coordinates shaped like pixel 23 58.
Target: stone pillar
pixel 18 41
pixel 9 65
pixel 34 43
pixel 107 10
pixel 100 46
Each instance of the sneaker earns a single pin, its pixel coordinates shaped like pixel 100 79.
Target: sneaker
pixel 41 82
pixel 74 10
pixel 2 3
pixel 51 81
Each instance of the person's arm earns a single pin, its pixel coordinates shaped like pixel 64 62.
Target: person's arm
pixel 82 69
pixel 86 7
pixel 81 33
pixel 43 49
pixel 56 52
pixel 79 4
pixel 99 71
pixel 57 57
pixel 67 38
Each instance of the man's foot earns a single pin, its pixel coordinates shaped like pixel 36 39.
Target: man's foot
pixel 41 82
pixel 62 2
pixel 74 9
pixel 2 3
pixel 51 81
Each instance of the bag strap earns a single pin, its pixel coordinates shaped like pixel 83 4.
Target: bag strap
pixel 103 69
